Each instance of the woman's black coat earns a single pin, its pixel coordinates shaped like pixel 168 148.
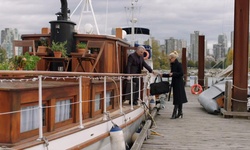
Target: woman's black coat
pixel 177 83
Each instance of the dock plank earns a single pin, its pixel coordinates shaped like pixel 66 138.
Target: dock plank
pixel 198 130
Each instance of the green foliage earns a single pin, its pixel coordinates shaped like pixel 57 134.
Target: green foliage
pixel 43 41
pixel 160 59
pixel 5 65
pixel 213 63
pixel 59 47
pixel 81 45
pixel 18 62
pixel 25 62
pixel 3 55
pixel 191 64
pixel 31 61
pixel 229 60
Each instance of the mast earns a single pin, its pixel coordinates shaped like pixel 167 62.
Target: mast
pixel 86 6
pixel 133 21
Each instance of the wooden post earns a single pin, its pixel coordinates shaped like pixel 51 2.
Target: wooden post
pixel 228 96
pixel 206 82
pixel 184 64
pixel 240 55
pixel 201 55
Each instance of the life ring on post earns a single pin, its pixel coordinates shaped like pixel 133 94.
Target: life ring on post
pixel 147 55
pixel 196 89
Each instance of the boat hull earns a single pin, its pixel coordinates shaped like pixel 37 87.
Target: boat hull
pixel 208 97
pixel 84 138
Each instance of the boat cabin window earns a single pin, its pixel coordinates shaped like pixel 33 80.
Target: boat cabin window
pixel 63 110
pixel 109 98
pixel 29 119
pixel 97 101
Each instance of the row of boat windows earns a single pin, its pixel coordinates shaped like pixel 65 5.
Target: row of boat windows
pixel 63 112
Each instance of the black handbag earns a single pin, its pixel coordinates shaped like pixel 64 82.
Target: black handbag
pixel 161 87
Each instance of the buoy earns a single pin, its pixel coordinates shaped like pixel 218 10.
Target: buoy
pixel 117 138
pixel 194 89
pixel 135 135
pixel 152 104
pixel 147 55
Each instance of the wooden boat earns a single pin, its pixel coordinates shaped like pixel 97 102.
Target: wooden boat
pixel 64 110
pixel 75 108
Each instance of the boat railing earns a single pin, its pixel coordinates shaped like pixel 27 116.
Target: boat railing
pixel 39 76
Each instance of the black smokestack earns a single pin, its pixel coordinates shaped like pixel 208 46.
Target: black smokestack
pixel 64 9
pixel 63 30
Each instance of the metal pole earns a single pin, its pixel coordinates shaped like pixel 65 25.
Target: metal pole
pixel 80 102
pixel 121 95
pixel 201 60
pixel 132 92
pixel 240 55
pixel 104 98
pixel 93 14
pixel 133 25
pixel 139 90
pixel 40 107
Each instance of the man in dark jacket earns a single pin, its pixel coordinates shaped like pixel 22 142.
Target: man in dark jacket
pixel 135 65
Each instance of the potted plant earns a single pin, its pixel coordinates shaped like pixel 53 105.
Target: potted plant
pixel 94 52
pixel 5 65
pixel 31 61
pixel 81 48
pixel 24 62
pixel 59 49
pixel 43 43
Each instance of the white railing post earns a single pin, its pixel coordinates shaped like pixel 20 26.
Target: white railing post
pixel 132 93
pixel 80 103
pixel 40 106
pixel 121 95
pixel 105 100
pixel 145 85
pixel 139 89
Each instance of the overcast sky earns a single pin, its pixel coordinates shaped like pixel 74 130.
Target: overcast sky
pixel 164 18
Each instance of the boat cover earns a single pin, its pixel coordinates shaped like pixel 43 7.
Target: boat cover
pixel 208 97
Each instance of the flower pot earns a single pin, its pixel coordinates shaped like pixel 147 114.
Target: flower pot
pixel 82 51
pixel 42 49
pixel 57 54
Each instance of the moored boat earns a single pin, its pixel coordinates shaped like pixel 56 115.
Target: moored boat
pixel 71 102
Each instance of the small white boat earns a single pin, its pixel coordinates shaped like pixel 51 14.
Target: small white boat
pixel 208 98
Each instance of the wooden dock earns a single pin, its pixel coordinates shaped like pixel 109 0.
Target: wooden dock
pixel 197 130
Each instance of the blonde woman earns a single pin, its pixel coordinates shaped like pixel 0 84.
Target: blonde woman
pixel 179 94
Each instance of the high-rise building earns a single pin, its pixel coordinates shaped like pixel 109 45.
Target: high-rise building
pixel 172 44
pixel 217 51
pixel 194 42
pixel 222 40
pixel 232 40
pixel 7 36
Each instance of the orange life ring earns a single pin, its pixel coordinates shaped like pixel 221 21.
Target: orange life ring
pixel 194 89
pixel 147 55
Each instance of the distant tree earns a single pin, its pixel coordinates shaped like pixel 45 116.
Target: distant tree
pixel 160 59
pixel 207 64
pixel 212 64
pixel 196 64
pixel 3 55
pixel 190 64
pixel 229 58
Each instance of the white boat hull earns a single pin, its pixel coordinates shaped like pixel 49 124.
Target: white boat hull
pixel 85 135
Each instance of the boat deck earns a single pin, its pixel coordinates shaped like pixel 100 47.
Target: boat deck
pixel 198 130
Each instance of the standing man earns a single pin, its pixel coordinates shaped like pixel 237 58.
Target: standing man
pixel 135 65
